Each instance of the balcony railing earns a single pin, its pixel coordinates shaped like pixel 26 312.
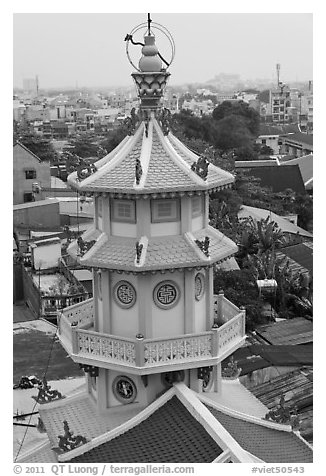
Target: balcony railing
pixel 95 348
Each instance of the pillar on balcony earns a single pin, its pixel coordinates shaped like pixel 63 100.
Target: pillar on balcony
pixel 243 311
pixel 101 389
pixel 220 298
pixel 209 298
pixel 139 350
pixel 196 384
pixel 215 343
pixel 74 340
pixel 217 378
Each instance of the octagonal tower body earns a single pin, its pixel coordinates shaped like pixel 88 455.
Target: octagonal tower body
pixel 152 253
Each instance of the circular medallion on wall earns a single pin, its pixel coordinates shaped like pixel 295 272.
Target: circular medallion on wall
pixel 199 286
pixel 124 389
pixel 124 294
pixel 166 294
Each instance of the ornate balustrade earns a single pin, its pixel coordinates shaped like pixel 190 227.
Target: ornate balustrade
pixel 224 309
pixel 204 348
pixel 188 347
pixel 104 346
pixel 80 315
pixel 88 346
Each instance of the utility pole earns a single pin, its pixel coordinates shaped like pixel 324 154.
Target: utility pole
pixel 278 68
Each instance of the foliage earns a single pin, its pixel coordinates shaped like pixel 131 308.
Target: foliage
pixel 84 146
pixel 114 138
pixel 232 126
pixel 240 110
pixel 239 287
pixel 41 147
pixel 266 150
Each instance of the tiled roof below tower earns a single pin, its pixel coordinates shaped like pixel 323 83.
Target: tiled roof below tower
pixel 268 444
pixel 170 434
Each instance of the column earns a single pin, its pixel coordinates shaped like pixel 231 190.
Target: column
pixel 189 296
pixel 144 296
pixel 143 214
pixel 106 298
pixel 101 388
pixel 186 214
pixel 106 215
pixel 209 298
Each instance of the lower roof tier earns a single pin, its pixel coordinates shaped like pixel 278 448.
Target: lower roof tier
pixel 198 249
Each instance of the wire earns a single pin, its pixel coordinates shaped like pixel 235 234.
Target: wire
pixel 36 402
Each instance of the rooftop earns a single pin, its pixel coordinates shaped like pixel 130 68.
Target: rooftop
pixel 285 225
pixel 176 251
pixel 178 426
pixel 165 167
pixel 288 332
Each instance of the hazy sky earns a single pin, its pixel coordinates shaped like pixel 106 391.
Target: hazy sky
pixel 89 48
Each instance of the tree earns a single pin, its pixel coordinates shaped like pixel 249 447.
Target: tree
pixel 41 147
pixel 114 138
pixel 240 287
pixel 84 146
pixel 239 109
pixel 230 132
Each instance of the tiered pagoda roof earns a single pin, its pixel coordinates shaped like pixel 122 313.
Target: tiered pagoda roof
pixel 168 252
pixel 167 167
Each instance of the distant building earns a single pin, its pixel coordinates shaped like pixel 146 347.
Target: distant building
pixel 280 104
pixel 30 173
pixel 298 144
pixel 30 85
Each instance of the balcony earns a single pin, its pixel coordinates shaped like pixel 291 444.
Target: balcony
pixel 146 356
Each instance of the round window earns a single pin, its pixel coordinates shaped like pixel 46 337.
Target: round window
pixel 124 389
pixel 124 294
pixel 199 286
pixel 166 294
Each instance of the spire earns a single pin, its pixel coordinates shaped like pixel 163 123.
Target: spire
pixel 151 75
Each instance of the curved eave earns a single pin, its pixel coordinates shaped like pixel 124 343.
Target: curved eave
pixel 161 254
pixel 166 165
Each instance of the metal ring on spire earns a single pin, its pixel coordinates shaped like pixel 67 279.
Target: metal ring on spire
pixel 153 26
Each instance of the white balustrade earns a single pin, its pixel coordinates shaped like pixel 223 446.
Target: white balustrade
pixel 81 313
pixel 105 347
pixel 231 332
pixel 190 347
pixel 147 353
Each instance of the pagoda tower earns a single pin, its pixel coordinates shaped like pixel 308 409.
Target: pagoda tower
pixel 152 252
pixel 152 338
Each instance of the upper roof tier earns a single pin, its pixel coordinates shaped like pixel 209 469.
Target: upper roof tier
pixel 151 162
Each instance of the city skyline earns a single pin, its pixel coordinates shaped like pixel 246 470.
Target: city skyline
pixel 89 48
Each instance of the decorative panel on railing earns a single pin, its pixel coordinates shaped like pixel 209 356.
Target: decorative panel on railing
pixel 230 332
pixel 105 347
pixel 177 350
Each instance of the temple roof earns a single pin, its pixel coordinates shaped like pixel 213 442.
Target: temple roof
pixel 170 434
pixel 165 163
pixel 179 426
pixel 173 251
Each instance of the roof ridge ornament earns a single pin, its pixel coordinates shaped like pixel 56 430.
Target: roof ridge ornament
pixel 131 122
